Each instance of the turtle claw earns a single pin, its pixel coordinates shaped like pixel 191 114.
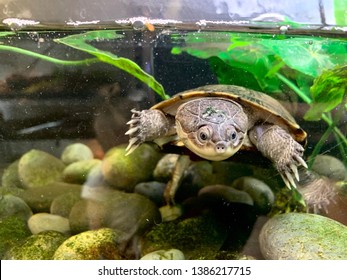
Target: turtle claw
pixel 301 161
pixel 134 132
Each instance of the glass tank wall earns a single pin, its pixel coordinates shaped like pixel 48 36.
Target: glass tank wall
pixel 70 75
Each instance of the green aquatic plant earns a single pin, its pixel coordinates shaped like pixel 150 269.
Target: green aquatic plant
pixel 314 68
pixel 84 42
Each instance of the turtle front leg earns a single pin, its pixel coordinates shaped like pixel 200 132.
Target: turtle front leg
pixel 278 145
pixel 147 125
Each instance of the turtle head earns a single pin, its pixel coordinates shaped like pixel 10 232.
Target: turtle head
pixel 214 135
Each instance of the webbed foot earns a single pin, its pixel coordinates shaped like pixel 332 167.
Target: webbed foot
pixel 146 125
pixel 279 146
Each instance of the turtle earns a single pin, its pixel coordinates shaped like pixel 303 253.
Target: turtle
pixel 216 121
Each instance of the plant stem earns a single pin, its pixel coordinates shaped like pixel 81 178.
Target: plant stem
pixel 308 100
pixel 48 58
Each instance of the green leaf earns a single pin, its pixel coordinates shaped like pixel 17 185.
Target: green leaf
pixel 83 42
pixel 237 51
pixel 302 54
pixel 327 92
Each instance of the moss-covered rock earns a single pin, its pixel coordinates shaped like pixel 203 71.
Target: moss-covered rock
pixel 13 230
pixel 76 152
pixel 77 172
pixel 39 199
pixel 10 177
pixel 198 238
pixel 303 236
pixel 124 172
pixel 11 205
pixel 62 204
pixel 37 169
pixel 101 244
pixel 36 247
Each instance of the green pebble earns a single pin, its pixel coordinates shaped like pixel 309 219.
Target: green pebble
pixel 77 172
pixel 124 172
pixel 303 236
pixel 76 152
pixel 37 169
pixel 13 230
pixel 40 246
pixel 101 244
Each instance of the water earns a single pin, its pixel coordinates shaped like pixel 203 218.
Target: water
pixel 62 87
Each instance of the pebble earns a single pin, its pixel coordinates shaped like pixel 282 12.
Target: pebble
pixel 44 221
pixel 124 172
pixel 13 230
pixel 40 246
pixel 130 213
pixel 153 190
pixel 164 168
pixel 77 172
pixel 172 254
pixel 170 212
pixel 303 236
pixel 37 169
pixel 225 194
pixel 40 199
pixel 76 152
pixel 101 244
pixel 11 205
pixel 261 193
pixel 330 167
pixel 62 204
pixel 10 177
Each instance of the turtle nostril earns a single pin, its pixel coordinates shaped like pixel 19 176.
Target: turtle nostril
pixel 220 147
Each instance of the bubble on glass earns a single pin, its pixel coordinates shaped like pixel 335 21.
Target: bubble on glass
pixel 139 25
pixel 284 29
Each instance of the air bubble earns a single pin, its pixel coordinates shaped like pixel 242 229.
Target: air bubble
pixel 139 25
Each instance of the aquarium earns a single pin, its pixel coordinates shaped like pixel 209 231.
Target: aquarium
pixel 90 170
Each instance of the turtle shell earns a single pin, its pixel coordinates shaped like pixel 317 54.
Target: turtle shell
pixel 258 104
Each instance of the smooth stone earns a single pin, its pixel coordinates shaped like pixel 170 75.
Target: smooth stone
pixel 170 212
pixel 199 237
pixel 261 193
pixel 40 246
pixel 330 167
pixel 101 244
pixel 225 194
pixel 303 236
pixel 153 190
pixel 130 213
pixel 62 204
pixel 11 205
pixel 124 172
pixel 45 221
pixel 172 254
pixel 76 152
pixel 164 168
pixel 10 177
pixel 77 172
pixel 13 230
pixel 40 199
pixel 37 169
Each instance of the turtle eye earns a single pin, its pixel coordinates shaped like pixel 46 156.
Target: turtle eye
pixel 233 135
pixel 204 134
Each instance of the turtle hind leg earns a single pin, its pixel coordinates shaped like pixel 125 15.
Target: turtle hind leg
pixel 278 145
pixel 146 125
